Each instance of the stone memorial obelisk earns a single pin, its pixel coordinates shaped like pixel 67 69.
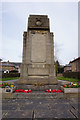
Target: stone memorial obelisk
pixel 38 52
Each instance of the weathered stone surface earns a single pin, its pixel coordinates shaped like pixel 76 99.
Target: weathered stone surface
pixel 71 90
pixel 43 108
pixel 7 95
pixel 38 87
pixel 38 22
pixel 38 48
pixel 38 52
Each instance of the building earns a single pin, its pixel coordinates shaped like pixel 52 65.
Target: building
pixel 7 67
pixel 10 67
pixel 67 68
pixel 75 64
pixel 17 66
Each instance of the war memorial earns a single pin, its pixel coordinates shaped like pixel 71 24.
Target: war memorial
pixel 37 94
pixel 38 52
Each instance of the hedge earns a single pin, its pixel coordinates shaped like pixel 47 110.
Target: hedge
pixel 9 75
pixel 72 75
pixel 13 71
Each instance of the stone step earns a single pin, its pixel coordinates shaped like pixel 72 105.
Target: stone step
pixel 37 94
pixel 38 88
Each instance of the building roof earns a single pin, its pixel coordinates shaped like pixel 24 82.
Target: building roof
pixel 68 65
pixel 2 70
pixel 16 63
pixel 75 60
pixel 11 64
pixel 5 64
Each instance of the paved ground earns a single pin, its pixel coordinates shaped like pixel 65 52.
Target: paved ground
pixel 9 81
pixel 34 107
pixel 41 108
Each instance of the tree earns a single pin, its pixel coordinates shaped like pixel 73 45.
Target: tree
pixel 59 68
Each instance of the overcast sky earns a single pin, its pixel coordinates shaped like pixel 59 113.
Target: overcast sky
pixel 63 22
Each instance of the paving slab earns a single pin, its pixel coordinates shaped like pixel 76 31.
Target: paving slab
pixel 18 114
pixel 43 105
pixel 43 108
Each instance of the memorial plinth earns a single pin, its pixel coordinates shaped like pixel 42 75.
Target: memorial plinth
pixel 38 52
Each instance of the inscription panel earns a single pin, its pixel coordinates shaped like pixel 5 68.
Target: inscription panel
pixel 38 71
pixel 38 48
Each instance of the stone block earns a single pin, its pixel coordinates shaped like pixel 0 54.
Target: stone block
pixel 7 95
pixel 71 90
pixel 38 52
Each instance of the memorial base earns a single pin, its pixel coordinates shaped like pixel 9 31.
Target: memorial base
pixel 32 81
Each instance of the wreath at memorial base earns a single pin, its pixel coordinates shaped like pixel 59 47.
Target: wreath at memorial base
pixel 53 91
pixel 22 91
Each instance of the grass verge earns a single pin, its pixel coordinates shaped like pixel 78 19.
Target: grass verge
pixel 6 79
pixel 68 79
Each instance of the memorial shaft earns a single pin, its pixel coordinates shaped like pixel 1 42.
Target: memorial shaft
pixel 38 52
